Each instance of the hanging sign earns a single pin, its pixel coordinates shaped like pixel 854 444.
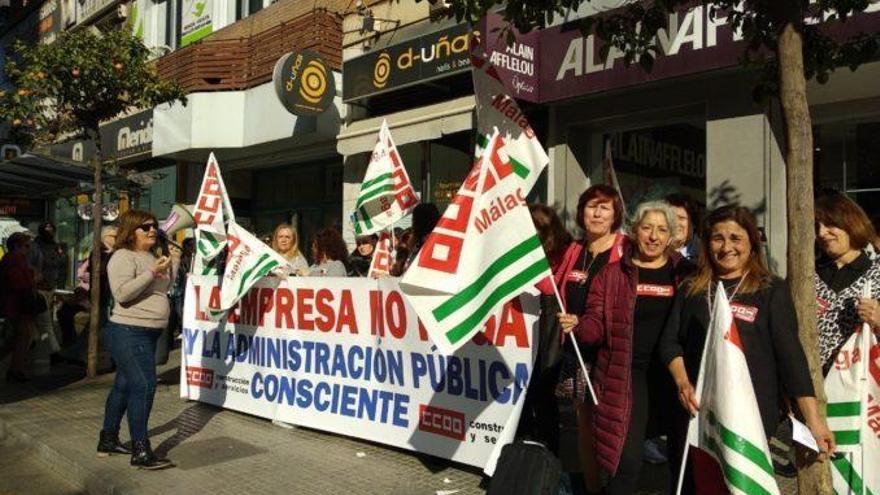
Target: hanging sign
pixel 304 82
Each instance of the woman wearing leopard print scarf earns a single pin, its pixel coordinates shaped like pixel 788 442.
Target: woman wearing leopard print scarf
pixel 843 231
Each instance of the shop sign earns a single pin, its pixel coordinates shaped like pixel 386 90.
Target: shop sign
pixel 128 137
pixel 196 20
pixel 80 150
pixel 87 9
pixel 517 62
pixel 414 61
pixel 21 207
pixel 304 82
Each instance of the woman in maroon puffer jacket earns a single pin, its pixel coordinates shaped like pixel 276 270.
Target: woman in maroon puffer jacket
pixel 627 307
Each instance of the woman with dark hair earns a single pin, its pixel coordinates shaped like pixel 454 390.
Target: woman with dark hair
pixel 628 305
pixel 329 254
pixel 20 305
pixel 685 239
pixel 732 255
pixel 843 269
pixel 139 282
pixel 362 256
pixel 600 215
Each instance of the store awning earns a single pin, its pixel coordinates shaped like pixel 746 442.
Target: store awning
pixel 419 124
pixel 43 176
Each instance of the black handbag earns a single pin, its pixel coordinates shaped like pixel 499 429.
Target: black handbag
pixel 526 468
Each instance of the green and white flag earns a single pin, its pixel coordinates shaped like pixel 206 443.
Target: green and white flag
pixel 248 260
pixel 211 209
pixel 496 110
pixel 853 390
pixel 728 427
pixel 386 193
pixel 483 252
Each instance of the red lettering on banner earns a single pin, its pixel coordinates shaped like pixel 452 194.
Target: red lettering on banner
pixel 304 299
pixel 283 308
pixel 377 325
pixel 744 313
pixel 346 313
pixel 423 332
pixel 200 377
pixel 267 302
pixel 395 314
pixel 439 421
pixel 214 299
pixel 200 315
pixel 322 303
pixel 248 307
pixel 513 324
pixel 650 290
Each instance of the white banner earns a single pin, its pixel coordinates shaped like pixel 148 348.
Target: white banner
pixel 349 356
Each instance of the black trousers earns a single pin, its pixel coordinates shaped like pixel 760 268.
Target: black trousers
pixel 626 479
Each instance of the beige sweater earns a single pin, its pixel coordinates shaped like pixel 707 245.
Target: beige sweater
pixel 140 298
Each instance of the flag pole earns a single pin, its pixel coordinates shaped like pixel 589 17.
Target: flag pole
pixel 577 350
pixel 863 396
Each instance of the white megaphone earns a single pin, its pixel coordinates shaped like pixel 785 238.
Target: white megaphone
pixel 180 218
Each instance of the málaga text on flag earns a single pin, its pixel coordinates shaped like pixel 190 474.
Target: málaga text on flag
pixel 483 252
pixel 211 209
pixel 853 390
pixel 248 261
pixel 728 427
pixel 496 110
pixel 380 265
pixel 386 193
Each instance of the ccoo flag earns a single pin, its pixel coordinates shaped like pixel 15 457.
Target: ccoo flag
pixel 728 427
pixel 853 390
pixel 496 110
pixel 380 265
pixel 386 193
pixel 248 260
pixel 483 252
pixel 211 209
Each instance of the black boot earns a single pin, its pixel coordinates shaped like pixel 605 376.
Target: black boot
pixel 142 457
pixel 108 444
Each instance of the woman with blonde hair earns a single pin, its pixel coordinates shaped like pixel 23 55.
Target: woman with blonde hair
pixel 285 242
pixel 732 255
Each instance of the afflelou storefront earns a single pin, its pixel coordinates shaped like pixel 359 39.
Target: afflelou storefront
pixel 691 125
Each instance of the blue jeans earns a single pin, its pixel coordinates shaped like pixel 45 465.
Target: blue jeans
pixel 134 351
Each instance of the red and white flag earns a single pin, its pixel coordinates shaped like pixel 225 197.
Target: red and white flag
pixel 726 439
pixel 380 266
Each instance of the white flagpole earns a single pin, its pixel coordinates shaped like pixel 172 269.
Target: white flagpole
pixel 865 351
pixel 577 350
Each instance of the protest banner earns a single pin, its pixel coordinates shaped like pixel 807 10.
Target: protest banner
pixel 483 252
pixel 348 356
pixel 212 208
pixel 853 390
pixel 726 439
pixel 386 194
pixel 248 261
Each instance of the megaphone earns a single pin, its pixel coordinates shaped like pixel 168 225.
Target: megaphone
pixel 180 218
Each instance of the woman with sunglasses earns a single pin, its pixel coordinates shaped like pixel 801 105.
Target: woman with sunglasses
pixel 139 281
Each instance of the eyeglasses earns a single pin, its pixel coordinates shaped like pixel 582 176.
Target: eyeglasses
pixel 146 227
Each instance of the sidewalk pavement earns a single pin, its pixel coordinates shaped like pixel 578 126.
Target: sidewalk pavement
pixel 219 451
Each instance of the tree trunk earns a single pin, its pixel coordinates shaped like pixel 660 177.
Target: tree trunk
pixel 95 263
pixel 814 478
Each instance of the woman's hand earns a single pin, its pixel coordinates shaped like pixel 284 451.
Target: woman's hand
pixel 687 396
pixel 162 265
pixel 824 438
pixel 567 321
pixel 869 312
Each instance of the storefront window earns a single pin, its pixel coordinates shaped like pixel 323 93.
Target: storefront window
pixel 450 159
pixel 655 162
pixel 847 159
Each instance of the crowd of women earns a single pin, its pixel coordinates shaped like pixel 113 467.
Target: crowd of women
pixel 636 298
pixel 638 304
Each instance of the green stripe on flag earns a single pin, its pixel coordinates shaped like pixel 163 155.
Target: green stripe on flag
pixel 455 302
pixel 483 140
pixel 742 446
pixel 375 180
pixel 849 474
pixel 839 409
pixel 366 218
pixel 256 272
pixel 372 194
pixel 503 291
pixel 735 477
pixel 846 437
pixel 519 168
